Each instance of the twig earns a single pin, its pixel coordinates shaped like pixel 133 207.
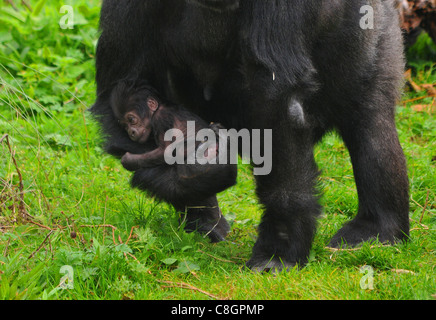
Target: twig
pixel 216 258
pixel 187 286
pixel 416 202
pixel 421 224
pixel 12 4
pixel 345 249
pixel 24 2
pixel 21 187
pixel 3 138
pixel 130 235
pixel 40 225
pixel 5 252
pixel 414 99
pixel 216 224
pixel 39 248
pixel 134 258
pixel 403 271
pixel 21 206
pixel 104 213
pixel 425 206
pixel 360 248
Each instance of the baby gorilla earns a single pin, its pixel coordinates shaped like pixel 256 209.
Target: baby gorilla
pixel 142 113
pixel 190 186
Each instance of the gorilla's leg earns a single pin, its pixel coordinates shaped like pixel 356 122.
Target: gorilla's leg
pixel 381 178
pixel 366 121
pixel 288 195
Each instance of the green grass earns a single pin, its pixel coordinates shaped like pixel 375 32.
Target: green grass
pixel 70 189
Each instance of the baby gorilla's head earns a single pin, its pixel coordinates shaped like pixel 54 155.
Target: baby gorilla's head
pixel 134 105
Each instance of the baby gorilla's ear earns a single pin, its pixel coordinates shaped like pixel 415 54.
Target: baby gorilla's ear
pixel 152 104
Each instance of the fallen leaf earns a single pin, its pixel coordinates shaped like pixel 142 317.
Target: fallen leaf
pixel 430 89
pixel 421 107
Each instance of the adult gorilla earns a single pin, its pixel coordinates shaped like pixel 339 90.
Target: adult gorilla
pixel 299 67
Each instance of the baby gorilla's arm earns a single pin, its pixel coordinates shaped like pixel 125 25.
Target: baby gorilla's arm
pixel 133 162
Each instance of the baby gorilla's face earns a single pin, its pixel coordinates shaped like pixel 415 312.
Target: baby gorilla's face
pixel 138 128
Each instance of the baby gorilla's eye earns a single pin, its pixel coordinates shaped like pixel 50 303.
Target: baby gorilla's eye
pixel 131 120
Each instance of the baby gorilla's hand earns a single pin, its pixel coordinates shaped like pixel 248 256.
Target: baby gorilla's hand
pixel 130 162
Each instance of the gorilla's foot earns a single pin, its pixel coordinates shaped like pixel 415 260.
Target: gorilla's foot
pixel 206 219
pixel 215 230
pixel 360 230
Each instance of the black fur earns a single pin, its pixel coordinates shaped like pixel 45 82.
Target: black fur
pixel 189 187
pixel 245 67
pixel 178 184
